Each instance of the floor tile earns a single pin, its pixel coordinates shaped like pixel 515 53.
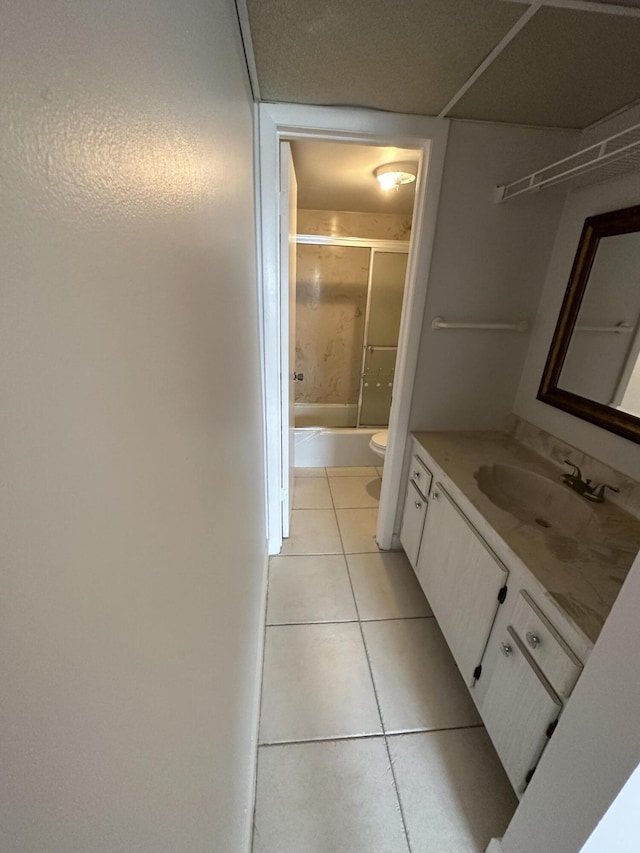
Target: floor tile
pixel 358 530
pixel 454 793
pixel 386 587
pixel 311 472
pixel 309 589
pixel 363 471
pixel 313 531
pixel 330 797
pixel 354 492
pixel 316 684
pixel 312 493
pixel 417 681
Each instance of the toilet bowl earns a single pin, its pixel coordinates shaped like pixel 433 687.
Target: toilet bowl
pixel 378 442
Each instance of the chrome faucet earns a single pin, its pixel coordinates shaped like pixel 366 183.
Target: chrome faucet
pixel 591 491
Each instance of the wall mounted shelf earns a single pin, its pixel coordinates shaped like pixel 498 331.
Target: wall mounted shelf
pixel 617 155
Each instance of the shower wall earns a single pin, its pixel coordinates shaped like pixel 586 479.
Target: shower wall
pixel 344 223
pixel 331 301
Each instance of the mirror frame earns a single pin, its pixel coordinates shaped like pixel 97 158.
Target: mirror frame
pixel 616 222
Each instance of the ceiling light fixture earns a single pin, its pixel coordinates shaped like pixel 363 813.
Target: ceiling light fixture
pixel 393 175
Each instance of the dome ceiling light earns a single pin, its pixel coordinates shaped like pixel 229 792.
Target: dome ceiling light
pixel 394 175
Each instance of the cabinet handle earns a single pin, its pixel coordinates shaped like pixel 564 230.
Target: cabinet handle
pixel 418 505
pixel 435 495
pixel 532 639
pixel 506 649
pixel 416 474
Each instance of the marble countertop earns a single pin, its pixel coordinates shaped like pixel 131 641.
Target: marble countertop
pixel 583 578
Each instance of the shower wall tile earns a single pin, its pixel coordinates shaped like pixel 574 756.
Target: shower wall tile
pixel 341 223
pixel 331 301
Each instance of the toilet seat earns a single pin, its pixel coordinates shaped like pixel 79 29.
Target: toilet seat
pixel 378 442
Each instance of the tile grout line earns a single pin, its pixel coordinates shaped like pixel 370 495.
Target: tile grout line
pixel 375 694
pixel 340 738
pixel 345 621
pixel 258 745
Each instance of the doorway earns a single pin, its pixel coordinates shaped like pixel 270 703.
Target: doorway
pixel 426 136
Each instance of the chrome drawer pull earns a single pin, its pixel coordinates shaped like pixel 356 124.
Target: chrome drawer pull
pixel 506 649
pixel 532 639
pixel 418 505
pixel 416 474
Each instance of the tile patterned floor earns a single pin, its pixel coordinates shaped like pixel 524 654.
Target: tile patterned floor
pixel 369 741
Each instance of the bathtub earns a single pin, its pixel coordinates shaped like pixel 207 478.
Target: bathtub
pixel 326 414
pixel 318 447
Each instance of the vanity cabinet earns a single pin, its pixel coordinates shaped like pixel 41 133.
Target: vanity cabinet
pixel 415 511
pixel 415 508
pixel 462 578
pixel 508 642
pixel 520 709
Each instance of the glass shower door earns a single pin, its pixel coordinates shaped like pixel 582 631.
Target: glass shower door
pixel 384 309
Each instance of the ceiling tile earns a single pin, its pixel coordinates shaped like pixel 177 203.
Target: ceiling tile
pixel 407 56
pixel 564 69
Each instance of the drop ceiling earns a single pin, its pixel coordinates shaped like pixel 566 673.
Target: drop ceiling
pixel 566 63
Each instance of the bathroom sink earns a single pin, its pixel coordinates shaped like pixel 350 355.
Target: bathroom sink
pixel 538 501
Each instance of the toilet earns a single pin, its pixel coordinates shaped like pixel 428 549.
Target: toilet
pixel 378 442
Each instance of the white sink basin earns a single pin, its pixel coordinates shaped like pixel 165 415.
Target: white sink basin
pixel 538 501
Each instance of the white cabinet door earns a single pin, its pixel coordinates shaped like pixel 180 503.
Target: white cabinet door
pixel 461 578
pixel 518 709
pixel 415 508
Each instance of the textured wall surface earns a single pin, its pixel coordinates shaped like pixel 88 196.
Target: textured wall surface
pixel 132 514
pixel 488 264
pixel 331 301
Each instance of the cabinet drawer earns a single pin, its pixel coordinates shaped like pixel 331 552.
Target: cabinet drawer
pixel 547 648
pixel 415 510
pixel 518 710
pixel 420 475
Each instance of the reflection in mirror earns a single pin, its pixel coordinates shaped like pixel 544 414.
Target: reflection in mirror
pixel 602 361
pixel 593 366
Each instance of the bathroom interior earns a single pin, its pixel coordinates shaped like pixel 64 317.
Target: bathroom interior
pixel 519 541
pixel 442 655
pixel 353 241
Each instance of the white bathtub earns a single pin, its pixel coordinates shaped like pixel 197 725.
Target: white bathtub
pixel 317 447
pixel 326 414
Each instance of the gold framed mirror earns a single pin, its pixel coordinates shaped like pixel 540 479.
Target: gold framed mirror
pixel 593 366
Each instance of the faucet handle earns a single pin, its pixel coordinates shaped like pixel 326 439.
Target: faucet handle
pixel 577 473
pixel 598 490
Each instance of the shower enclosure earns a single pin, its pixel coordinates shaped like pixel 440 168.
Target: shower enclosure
pixel 348 308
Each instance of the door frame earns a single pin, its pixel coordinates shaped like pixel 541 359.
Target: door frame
pixel 278 122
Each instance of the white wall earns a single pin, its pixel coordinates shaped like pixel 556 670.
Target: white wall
pixel 595 747
pixel 489 264
pixel 132 507
pixel 619 829
pixel 619 453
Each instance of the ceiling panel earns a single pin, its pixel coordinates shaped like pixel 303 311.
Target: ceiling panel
pixel 339 176
pixel 564 69
pixel 406 56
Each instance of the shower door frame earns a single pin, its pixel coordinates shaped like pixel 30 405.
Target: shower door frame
pixel 399 247
pixel 278 122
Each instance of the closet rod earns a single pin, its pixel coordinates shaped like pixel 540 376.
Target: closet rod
pixel 518 326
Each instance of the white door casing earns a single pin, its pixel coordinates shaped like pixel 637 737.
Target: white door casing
pixel 288 231
pixel 278 122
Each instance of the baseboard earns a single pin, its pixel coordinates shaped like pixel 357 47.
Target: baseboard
pixel 494 846
pixel 257 696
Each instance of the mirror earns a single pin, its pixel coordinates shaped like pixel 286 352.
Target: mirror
pixel 593 366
